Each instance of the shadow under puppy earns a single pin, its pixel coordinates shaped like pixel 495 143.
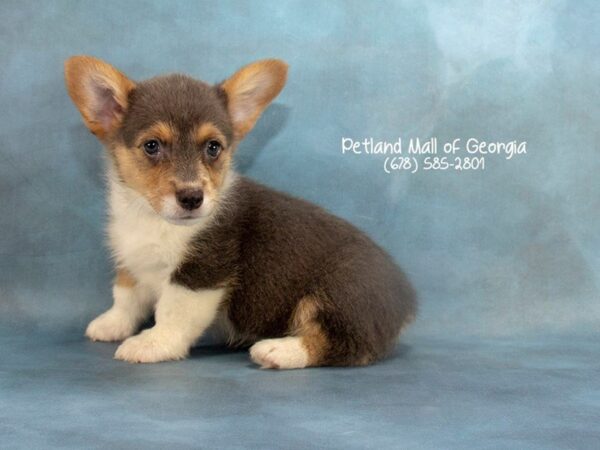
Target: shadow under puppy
pixel 198 245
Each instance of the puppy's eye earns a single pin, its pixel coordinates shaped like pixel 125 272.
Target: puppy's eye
pixel 151 147
pixel 213 148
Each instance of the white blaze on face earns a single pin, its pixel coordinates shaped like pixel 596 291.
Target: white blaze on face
pixel 169 207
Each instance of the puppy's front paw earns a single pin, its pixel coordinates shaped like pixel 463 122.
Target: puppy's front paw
pixel 113 325
pixel 151 346
pixel 282 353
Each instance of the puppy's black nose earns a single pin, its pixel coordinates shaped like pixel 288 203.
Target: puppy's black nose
pixel 189 199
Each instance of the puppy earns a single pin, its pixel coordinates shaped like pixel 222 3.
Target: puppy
pixel 197 245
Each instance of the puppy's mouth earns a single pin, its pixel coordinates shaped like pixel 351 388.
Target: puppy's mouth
pixel 186 218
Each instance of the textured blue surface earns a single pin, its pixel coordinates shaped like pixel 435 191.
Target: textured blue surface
pixel 506 261
pixel 58 390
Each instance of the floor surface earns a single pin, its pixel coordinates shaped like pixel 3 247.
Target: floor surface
pixel 63 391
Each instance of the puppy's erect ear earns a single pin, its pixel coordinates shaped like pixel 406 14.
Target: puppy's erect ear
pixel 99 91
pixel 250 90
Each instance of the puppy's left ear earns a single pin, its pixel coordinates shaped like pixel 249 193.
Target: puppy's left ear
pixel 99 91
pixel 250 90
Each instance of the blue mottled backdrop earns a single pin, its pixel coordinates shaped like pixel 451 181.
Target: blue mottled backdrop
pixel 506 260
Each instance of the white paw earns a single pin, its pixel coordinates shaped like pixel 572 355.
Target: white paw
pixel 113 325
pixel 282 353
pixel 151 346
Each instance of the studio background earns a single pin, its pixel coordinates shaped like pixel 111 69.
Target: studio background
pixel 506 261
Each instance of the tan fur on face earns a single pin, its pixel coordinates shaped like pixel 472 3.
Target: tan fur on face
pixel 304 324
pixel 162 131
pixel 208 131
pixel 153 181
pixel 213 175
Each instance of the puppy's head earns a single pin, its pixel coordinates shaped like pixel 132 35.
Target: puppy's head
pixel 172 138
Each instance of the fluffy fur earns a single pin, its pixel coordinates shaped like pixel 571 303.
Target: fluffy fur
pixel 300 286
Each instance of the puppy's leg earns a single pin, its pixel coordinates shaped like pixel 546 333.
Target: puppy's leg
pixel 132 306
pixel 182 315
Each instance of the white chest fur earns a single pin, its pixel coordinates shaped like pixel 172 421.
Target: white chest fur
pixel 142 242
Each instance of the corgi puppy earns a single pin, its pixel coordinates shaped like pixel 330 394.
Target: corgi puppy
pixel 197 245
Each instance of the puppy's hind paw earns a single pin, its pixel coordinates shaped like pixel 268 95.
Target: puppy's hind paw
pixel 282 353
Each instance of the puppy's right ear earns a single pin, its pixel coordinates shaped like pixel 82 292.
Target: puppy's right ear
pixel 99 91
